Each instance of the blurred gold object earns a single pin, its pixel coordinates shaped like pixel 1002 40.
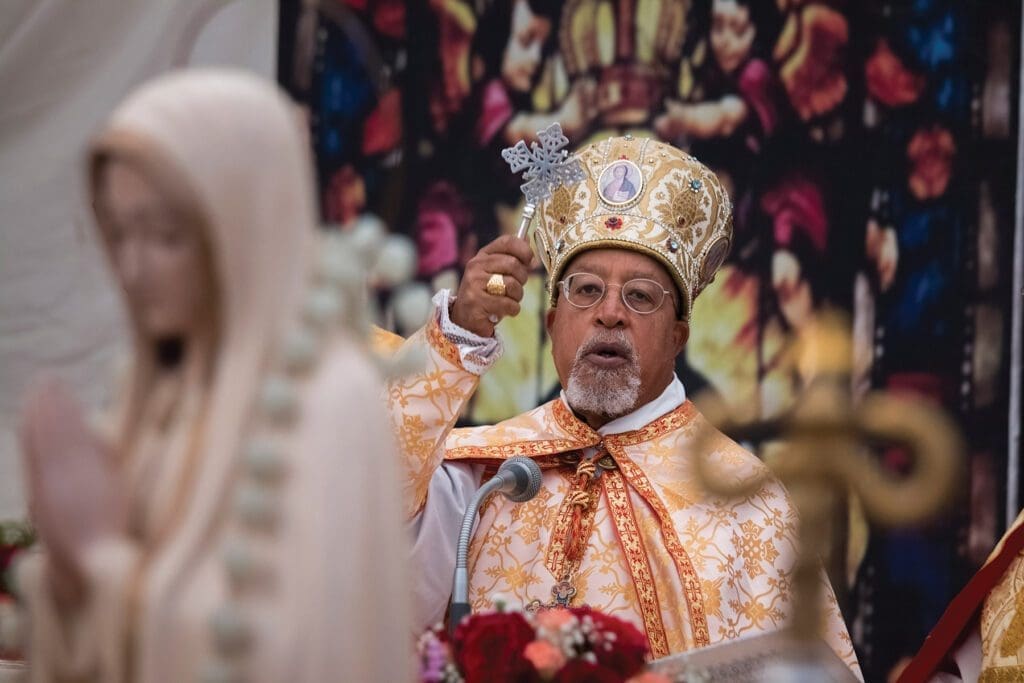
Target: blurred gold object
pixel 824 453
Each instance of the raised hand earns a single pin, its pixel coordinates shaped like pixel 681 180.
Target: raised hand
pixel 492 285
pixel 75 495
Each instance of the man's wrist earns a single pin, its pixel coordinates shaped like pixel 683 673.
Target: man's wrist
pixel 478 353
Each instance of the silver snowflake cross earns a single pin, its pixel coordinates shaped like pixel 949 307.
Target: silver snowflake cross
pixel 547 164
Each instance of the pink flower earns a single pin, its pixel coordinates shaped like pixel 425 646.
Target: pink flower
pixel 545 657
pixel 554 619
pixel 649 677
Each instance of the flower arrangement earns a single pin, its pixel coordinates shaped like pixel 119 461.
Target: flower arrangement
pixel 15 537
pixel 562 645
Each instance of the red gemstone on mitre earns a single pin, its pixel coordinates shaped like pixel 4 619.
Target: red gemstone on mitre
pixel 613 223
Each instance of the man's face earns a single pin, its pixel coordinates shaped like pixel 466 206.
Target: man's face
pixel 610 359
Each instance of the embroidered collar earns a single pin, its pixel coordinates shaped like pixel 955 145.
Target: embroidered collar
pixel 673 396
pixel 577 435
pixel 668 422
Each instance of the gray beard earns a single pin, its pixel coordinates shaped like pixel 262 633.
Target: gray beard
pixel 600 391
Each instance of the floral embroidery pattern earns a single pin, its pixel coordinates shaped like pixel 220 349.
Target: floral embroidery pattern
pixel 563 207
pixel 532 515
pixel 683 211
pixel 753 550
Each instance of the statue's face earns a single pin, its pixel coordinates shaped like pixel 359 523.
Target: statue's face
pixel 158 255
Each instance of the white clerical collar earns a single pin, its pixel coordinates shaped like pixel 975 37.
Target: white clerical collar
pixel 670 399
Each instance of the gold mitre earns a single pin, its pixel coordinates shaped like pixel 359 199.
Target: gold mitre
pixel 643 195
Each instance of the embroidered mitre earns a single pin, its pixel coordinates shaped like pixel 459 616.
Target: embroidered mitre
pixel 643 195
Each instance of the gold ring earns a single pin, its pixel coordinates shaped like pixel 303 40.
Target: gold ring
pixel 496 285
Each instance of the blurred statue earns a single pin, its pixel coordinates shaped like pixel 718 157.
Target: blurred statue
pixel 237 515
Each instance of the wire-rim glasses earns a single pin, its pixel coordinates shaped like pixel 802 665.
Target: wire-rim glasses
pixel 640 295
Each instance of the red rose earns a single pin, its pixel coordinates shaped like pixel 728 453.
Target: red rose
pixel 628 652
pixel 889 81
pixel 489 647
pixel 580 671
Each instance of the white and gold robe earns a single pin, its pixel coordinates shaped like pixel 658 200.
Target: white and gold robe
pixel 688 568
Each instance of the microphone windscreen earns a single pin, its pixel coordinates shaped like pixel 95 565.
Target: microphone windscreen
pixel 527 478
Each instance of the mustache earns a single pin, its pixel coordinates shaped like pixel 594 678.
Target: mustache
pixel 608 340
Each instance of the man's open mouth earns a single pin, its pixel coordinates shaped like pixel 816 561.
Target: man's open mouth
pixel 608 354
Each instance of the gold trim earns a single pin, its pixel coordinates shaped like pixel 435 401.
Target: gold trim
pixel 580 436
pixel 637 559
pixel 505 451
pixel 576 428
pixel 442 345
pixel 666 424
pixel 561 546
pixel 684 566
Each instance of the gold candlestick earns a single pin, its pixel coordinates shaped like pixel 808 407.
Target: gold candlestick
pixel 825 454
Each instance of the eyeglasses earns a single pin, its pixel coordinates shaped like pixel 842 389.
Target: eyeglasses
pixel 641 295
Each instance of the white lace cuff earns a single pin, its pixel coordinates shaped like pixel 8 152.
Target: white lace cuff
pixel 478 353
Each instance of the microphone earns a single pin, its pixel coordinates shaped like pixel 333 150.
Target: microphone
pixel 518 479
